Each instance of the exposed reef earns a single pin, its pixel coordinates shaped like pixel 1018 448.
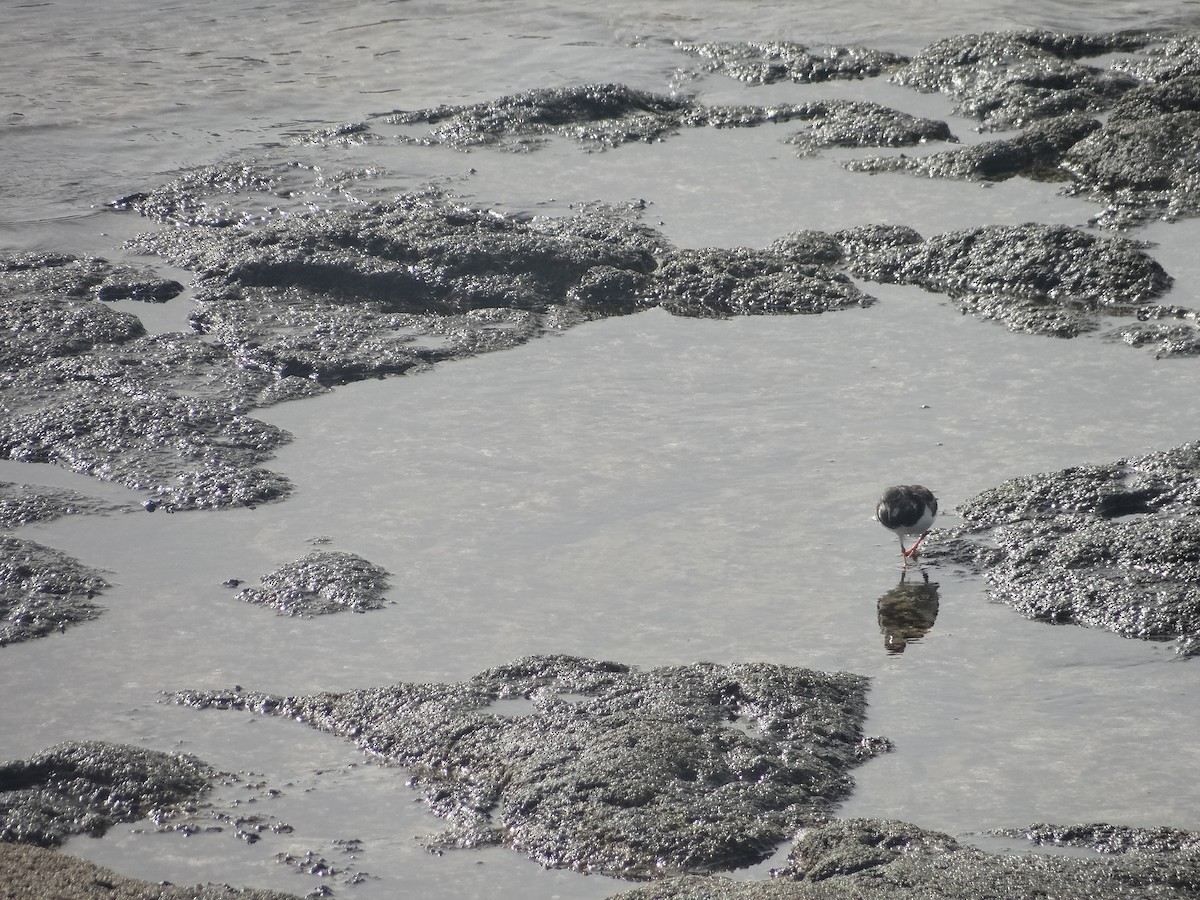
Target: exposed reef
pixel 879 859
pixel 35 873
pixel 42 590
pixel 767 62
pixel 1036 152
pixel 1011 78
pixel 1040 279
pixel 608 115
pixel 21 504
pixel 1113 546
pixel 325 581
pixel 86 787
pixel 600 767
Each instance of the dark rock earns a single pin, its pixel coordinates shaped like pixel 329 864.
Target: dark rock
pixel 150 290
pixel 30 275
pixel 604 768
pixel 608 114
pixel 1167 340
pixel 87 787
pixel 1032 315
pixel 1113 546
pixel 766 62
pixel 21 504
pixel 42 590
pixel 849 846
pixel 741 281
pixel 808 247
pixel 192 452
pixel 1009 79
pixel 1105 838
pixel 848 123
pixel 185 199
pixel 322 582
pixel 873 859
pixel 1141 166
pixel 1035 153
pixel 613 114
pixel 1040 279
pixel 1173 57
pixel 35 873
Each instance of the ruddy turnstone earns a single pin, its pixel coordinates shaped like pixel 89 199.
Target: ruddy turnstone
pixel 907 509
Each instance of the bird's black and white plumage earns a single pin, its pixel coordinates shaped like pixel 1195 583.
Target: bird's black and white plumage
pixel 907 509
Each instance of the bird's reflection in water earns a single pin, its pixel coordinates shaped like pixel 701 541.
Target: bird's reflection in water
pixel 907 612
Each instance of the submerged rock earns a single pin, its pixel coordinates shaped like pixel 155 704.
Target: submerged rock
pixel 1113 546
pixel 42 590
pixel 324 581
pixel 87 787
pixel 604 768
pixel 878 859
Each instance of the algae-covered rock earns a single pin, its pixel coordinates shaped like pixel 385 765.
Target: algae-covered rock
pixel 87 787
pixel 600 767
pixel 322 582
pixel 42 590
pixel 1113 546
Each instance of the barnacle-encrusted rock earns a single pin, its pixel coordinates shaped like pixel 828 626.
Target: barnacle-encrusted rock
pixel 324 581
pixel 21 504
pixel 1041 279
pixel 86 787
pixel 605 768
pixel 1035 153
pixel 614 114
pixel 879 859
pixel 741 281
pixel 1113 546
pixel 42 590
pixel 766 62
pixel 1009 79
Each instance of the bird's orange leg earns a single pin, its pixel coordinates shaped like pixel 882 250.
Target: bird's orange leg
pixel 912 551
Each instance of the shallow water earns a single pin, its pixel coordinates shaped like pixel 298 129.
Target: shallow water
pixel 649 489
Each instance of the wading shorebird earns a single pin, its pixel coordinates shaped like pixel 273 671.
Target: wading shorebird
pixel 907 509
